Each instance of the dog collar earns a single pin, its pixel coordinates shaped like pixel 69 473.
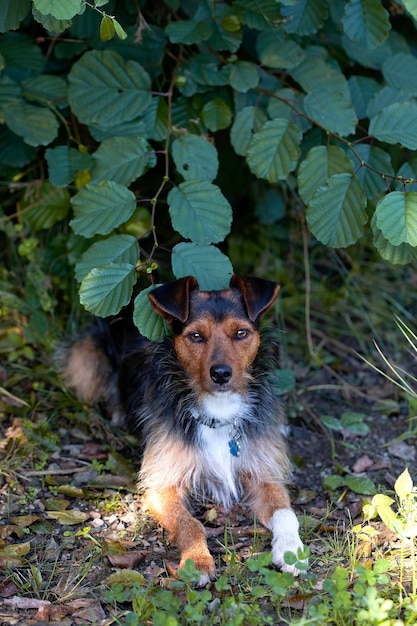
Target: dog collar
pixel 234 433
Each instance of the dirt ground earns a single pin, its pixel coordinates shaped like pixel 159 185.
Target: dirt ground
pixel 80 512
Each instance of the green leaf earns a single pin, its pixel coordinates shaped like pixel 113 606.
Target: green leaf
pixel 397 255
pixel 276 50
pixel 354 423
pixel 121 159
pixel 243 76
pixel 149 323
pixel 404 485
pixel 12 13
pixel 315 75
pixel 258 14
pixel 105 290
pixel 107 30
pixel 211 268
pixel 115 249
pixel 321 164
pixel 304 17
pixel 247 121
pixel 37 126
pixel 337 215
pixel 362 91
pixel 101 207
pixel 10 91
pixel 383 98
pixel 105 89
pixel 367 22
pixel 200 212
pixel 360 484
pixel 289 104
pixel 331 422
pixel 376 165
pixel 216 115
pixel 58 9
pixel 282 381
pixel 46 88
pixel 120 32
pixel 411 6
pixel 14 152
pixel 400 72
pixel 43 205
pixel 396 217
pixel 331 110
pixel 195 158
pixel 396 123
pixel 274 150
pixel 333 482
pixel 64 162
pixel 188 32
pixel 49 22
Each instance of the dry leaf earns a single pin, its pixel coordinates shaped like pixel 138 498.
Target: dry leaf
pixel 68 518
pixel 128 560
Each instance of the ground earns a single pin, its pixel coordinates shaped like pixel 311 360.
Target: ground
pixel 71 516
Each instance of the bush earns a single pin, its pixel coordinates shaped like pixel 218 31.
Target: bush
pixel 113 114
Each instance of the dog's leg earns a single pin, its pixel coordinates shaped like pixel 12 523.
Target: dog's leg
pixel 271 504
pixel 185 531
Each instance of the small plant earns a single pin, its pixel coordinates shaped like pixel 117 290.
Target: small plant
pixel 403 523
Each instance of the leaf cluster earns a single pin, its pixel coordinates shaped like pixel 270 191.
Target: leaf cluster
pixel 141 126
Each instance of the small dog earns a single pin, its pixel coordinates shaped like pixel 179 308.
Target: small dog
pixel 201 404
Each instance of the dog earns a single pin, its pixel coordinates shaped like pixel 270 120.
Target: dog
pixel 208 422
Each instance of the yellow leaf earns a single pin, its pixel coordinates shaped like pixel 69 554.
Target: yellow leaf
pixel 403 485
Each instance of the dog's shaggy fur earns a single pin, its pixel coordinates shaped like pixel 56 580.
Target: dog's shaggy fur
pixel 207 420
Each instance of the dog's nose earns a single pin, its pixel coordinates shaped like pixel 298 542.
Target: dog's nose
pixel 220 374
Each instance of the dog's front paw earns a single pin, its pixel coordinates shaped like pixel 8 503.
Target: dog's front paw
pixel 204 565
pixel 285 538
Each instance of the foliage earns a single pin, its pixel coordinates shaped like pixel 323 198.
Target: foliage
pixel 113 113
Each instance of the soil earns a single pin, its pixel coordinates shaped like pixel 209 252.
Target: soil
pixel 90 469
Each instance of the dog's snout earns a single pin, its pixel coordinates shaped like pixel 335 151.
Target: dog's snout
pixel 221 373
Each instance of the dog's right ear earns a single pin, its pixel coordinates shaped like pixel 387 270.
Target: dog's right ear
pixel 172 300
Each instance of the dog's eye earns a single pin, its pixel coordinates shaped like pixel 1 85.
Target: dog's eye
pixel 242 333
pixel 196 337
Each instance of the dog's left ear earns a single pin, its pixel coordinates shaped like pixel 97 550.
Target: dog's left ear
pixel 172 300
pixel 258 294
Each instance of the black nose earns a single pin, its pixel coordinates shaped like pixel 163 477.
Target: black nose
pixel 220 374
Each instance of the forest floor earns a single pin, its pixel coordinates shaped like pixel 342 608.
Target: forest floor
pixel 71 517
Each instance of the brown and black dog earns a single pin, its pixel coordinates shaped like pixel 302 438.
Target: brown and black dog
pixel 208 422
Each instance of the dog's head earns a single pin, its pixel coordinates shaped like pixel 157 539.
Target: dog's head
pixel 216 333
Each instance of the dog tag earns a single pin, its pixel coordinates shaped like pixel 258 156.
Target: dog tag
pixel 234 447
pixel 234 434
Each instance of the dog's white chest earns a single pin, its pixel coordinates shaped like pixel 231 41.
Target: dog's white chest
pixel 220 466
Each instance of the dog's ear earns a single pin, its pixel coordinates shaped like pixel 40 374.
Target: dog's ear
pixel 258 294
pixel 172 300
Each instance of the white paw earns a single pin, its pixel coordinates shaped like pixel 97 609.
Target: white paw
pixel 285 538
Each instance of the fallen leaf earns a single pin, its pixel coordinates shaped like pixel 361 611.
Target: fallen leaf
pixel 7 588
pixel 70 490
pixel 9 529
pixel 68 518
pixel 56 504
pixel 128 560
pixel 126 578
pixel 89 610
pixel 402 450
pixel 362 464
pixel 24 520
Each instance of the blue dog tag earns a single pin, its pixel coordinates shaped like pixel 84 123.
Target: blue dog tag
pixel 234 447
